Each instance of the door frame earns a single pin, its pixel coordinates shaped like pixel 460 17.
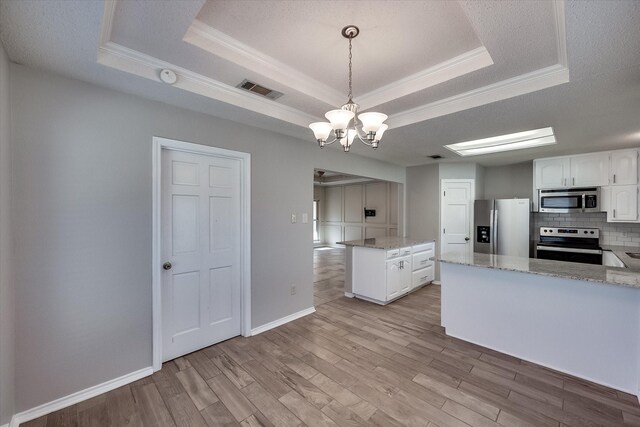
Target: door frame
pixel 160 144
pixel 471 181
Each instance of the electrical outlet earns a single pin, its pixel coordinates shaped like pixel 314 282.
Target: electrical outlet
pixel 305 218
pixel 294 218
pixel 294 289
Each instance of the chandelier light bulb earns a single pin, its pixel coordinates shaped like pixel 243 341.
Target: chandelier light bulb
pixel 380 132
pixel 371 122
pixel 339 118
pixel 321 130
pixel 348 140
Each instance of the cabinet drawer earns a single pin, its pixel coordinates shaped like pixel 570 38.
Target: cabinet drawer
pixel 421 259
pixel 405 251
pixel 392 253
pixel 424 247
pixel 422 276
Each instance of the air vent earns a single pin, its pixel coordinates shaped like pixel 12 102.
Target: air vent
pixel 436 157
pixel 260 90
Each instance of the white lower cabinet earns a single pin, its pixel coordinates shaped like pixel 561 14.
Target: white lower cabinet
pixel 398 277
pixel 422 276
pixel 382 275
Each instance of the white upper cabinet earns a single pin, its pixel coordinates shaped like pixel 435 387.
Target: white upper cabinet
pixel 615 172
pixel 585 170
pixel 552 173
pixel 589 170
pixel 624 167
pixel 624 204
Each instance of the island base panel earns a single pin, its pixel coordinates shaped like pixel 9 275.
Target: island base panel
pixel 585 329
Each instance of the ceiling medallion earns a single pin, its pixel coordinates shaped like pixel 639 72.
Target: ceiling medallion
pixel 343 122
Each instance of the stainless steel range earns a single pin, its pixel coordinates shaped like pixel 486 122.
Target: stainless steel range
pixel 570 244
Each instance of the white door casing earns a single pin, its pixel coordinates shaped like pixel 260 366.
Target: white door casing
pixel 456 215
pixel 201 227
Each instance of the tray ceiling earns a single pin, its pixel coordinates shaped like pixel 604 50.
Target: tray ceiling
pixel 402 62
pixel 444 71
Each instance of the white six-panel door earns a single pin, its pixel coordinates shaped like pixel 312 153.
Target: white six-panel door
pixel 201 289
pixel 456 215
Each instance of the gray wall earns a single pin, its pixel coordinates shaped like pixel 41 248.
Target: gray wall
pixel 423 205
pixel 7 329
pixel 423 202
pixel 506 182
pixel 465 171
pixel 423 197
pixel 82 212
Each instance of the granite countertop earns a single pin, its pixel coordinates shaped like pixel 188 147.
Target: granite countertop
pixel 386 242
pixel 629 277
pixel 621 252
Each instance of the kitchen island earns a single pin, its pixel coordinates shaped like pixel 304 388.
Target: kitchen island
pixel 383 269
pixel 576 318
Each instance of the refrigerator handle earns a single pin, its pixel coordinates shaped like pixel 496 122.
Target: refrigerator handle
pixel 491 236
pixel 495 232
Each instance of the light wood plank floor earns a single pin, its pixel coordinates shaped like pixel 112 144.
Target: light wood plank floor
pixel 328 274
pixel 354 363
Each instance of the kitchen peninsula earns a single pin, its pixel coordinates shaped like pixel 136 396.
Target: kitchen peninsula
pixel 383 269
pixel 576 318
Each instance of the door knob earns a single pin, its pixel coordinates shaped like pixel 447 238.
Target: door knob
pixel 167 265
pixel 466 239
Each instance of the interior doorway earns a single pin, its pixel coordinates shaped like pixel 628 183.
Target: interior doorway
pixel 340 201
pixel 201 247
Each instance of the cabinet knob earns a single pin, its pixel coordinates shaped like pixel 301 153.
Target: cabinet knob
pixel 167 266
pixel 466 239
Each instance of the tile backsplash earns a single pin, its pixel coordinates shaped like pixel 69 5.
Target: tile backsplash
pixel 618 233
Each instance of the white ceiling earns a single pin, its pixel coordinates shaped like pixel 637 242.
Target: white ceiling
pixel 443 71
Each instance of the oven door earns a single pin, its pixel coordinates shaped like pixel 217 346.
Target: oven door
pixel 586 256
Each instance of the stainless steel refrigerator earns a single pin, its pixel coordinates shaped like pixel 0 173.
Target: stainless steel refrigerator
pixel 502 227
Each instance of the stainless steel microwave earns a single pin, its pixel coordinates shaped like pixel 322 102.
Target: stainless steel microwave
pixel 569 200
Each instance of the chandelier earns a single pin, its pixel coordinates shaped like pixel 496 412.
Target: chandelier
pixel 343 122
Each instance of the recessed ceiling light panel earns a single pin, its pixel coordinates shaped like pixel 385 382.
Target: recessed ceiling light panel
pixel 496 144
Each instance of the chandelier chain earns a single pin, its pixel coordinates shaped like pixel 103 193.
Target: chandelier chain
pixel 350 72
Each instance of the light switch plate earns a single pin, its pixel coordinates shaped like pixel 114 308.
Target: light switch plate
pixel 293 218
pixel 305 218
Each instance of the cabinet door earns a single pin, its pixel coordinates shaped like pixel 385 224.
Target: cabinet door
pixel 590 170
pixel 393 279
pixel 624 167
pixel 552 173
pixel 624 203
pixel 405 274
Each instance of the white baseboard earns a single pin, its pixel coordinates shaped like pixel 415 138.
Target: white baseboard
pixel 79 396
pixel 436 282
pixel 282 321
pixel 348 294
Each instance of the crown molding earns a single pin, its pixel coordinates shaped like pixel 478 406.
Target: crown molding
pixel 220 44
pixel 107 21
pixel 561 31
pixel 131 61
pixel 520 85
pixel 199 34
pixel 455 67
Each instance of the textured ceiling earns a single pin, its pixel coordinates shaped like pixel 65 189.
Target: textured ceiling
pixel 597 109
pixel 411 37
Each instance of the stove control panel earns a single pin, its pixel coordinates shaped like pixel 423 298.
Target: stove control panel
pixel 591 233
